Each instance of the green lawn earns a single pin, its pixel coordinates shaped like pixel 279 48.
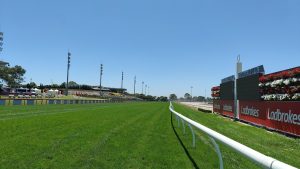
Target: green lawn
pixel 127 135
pixel 124 135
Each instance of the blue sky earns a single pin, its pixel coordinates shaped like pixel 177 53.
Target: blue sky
pixel 169 44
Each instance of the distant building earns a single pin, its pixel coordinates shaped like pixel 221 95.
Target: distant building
pixel 110 89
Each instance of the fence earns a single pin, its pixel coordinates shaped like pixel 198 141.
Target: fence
pixel 8 102
pixel 251 154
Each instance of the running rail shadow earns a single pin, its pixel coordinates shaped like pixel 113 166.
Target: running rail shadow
pixel 183 146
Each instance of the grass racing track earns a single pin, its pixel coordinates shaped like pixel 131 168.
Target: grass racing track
pixel 125 135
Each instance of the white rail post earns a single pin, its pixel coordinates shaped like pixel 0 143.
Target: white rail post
pixel 183 126
pixel 193 133
pixel 218 152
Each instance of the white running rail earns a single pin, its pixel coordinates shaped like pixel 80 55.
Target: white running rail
pixel 253 155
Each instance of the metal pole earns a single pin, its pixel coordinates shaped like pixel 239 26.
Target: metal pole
pixel 145 89
pixel 236 102
pixel 1 41
pixel 142 87
pixel 191 93
pixel 122 80
pixel 101 73
pixel 134 85
pixel 69 60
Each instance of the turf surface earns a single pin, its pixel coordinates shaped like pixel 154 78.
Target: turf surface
pixel 124 135
pixel 132 135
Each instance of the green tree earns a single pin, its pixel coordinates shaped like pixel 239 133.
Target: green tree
pixel 162 99
pixel 187 96
pixel 73 84
pixel 31 85
pixel 173 97
pixel 13 76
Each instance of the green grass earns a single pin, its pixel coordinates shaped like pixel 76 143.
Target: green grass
pixel 124 135
pixel 132 135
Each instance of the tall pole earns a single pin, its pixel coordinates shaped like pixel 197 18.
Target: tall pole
pixel 239 68
pixel 101 73
pixel 205 96
pixel 1 41
pixel 145 90
pixel 191 93
pixel 69 61
pixel 148 90
pixel 142 87
pixel 122 80
pixel 134 83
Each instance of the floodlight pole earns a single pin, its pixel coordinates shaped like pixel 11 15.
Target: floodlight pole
pixel 101 73
pixel 1 41
pixel 134 83
pixel 192 93
pixel 142 87
pixel 122 80
pixel 69 61
pixel 145 90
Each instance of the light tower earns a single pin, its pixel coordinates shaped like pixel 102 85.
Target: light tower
pixel 122 80
pixel 192 93
pixel 68 68
pixel 142 87
pixel 134 83
pixel 1 41
pixel 101 73
pixel 145 90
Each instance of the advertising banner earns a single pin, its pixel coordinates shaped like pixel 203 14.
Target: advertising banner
pixel 2 102
pixel 17 102
pixel 253 112
pixel 217 106
pixel 50 101
pixel 58 101
pixel 227 108
pixel 276 115
pixel 283 116
pixel 30 102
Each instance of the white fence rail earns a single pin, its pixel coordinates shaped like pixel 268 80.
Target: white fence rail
pixel 251 154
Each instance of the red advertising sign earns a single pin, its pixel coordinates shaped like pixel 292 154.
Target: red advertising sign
pixel 277 115
pixel 217 106
pixel 227 107
pixel 253 112
pixel 283 116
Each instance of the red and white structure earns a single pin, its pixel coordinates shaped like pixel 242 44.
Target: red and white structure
pixel 268 100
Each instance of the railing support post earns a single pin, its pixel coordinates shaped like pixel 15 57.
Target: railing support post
pixel 183 126
pixel 218 152
pixel 193 133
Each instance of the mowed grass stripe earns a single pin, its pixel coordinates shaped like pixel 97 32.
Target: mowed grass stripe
pixel 272 144
pixel 129 135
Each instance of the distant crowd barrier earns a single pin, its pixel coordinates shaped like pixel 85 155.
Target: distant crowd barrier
pixel 257 157
pixel 15 102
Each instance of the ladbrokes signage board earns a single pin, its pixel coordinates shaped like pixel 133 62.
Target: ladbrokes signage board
pixel 227 108
pixel 281 116
pixel 253 111
pixel 217 106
